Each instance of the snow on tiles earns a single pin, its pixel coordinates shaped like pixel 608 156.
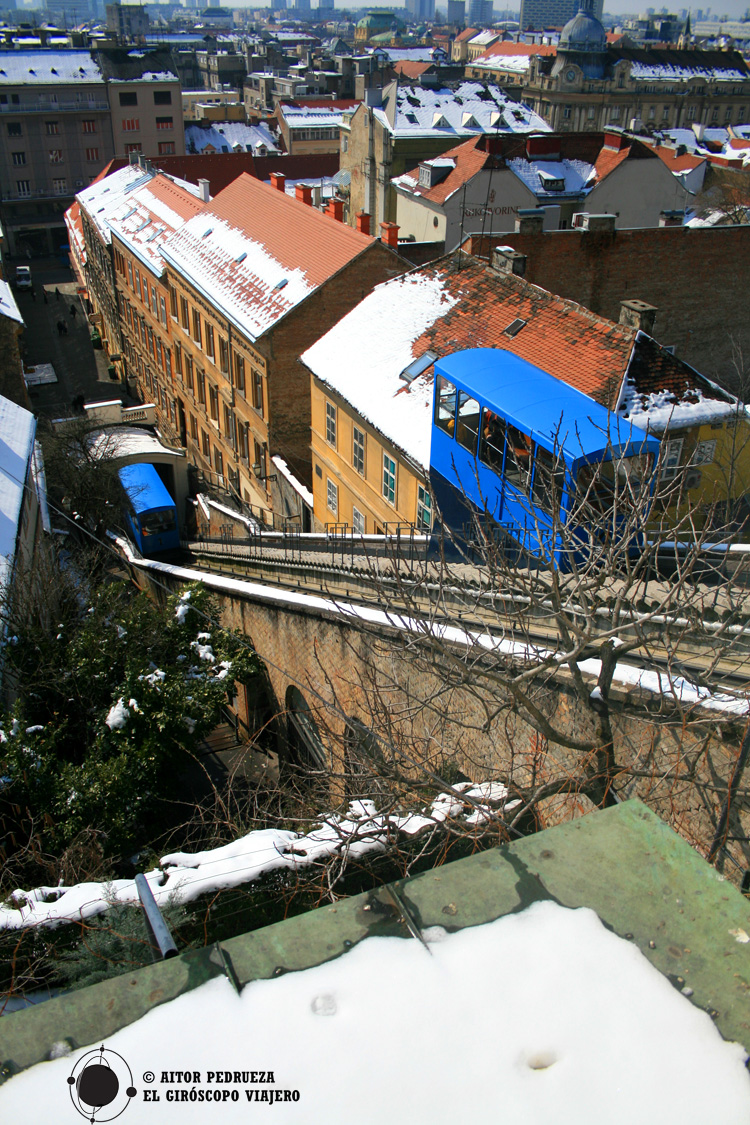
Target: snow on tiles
pixel 543 1016
pixel 183 876
pixel 391 320
pixel 237 272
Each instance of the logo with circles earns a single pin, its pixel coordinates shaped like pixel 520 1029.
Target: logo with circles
pixel 101 1085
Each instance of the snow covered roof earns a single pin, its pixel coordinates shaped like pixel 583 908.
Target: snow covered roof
pixel 17 432
pixel 679 72
pixel 304 117
pixel 539 174
pixel 101 198
pixel 486 36
pixel 51 68
pixel 470 108
pixel 8 306
pixel 225 136
pixel 255 253
pixel 149 214
pixel 443 310
pixel 128 441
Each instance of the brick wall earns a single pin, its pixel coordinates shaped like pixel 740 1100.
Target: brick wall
pixel 697 279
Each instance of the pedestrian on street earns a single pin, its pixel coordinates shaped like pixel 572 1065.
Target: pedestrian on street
pixel 60 327
pixel 73 311
pixel 44 294
pixel 57 294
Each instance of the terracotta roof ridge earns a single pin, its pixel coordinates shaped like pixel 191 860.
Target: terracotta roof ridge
pixel 567 303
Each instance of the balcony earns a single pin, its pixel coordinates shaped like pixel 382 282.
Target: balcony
pixel 55 107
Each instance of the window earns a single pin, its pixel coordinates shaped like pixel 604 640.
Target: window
pixel 468 422
pixel 128 98
pixel 728 113
pixel 492 445
pixel 193 428
pixel 14 129
pixel 19 158
pixel 549 480
pixel 166 148
pixel 219 462
pixel 665 113
pixel 189 374
pixel 358 521
pixel 178 359
pixel 518 460
pixel 138 285
pixel 60 185
pixel 154 305
pixel 671 452
pixel 131 125
pixel 201 380
pixel 445 406
pixel 715 113
pixel 53 128
pixel 239 373
pixel 162 97
pixel 690 113
pixel 566 111
pixel 23 187
pixel 163 310
pixel 206 445
pixel 164 123
pixel 173 301
pixel 133 148
pixel 591 114
pixel 197 327
pixel 184 314
pixel 213 402
pixel 424 509
pixel 229 428
pixel 55 156
pixel 130 274
pixel 244 440
pixel 332 496
pixel 704 452
pixel 331 424
pixel 92 155
pixel 614 113
pixel 209 340
pixel 389 479
pixel 651 112
pixel 88 126
pixel 223 355
pixel 258 392
pixel 358 450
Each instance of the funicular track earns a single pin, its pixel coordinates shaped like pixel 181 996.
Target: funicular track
pixel 402 580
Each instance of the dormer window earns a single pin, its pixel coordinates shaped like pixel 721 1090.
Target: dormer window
pixel 439 121
pixel 469 121
pixel 551 183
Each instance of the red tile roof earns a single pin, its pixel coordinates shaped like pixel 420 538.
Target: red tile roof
pixel 508 49
pixel 411 70
pixel 222 168
pixel 469 159
pixel 467 33
pixel 257 252
pixel 677 163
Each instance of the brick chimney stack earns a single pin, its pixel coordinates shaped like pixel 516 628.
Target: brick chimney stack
pixel 639 315
pixel 363 222
pixel 530 220
pixel 507 260
pixel 204 187
pixel 335 209
pixel 278 180
pixel 389 234
pixel 303 192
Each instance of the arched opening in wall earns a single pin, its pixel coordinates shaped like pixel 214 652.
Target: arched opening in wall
pixel 363 760
pixel 304 744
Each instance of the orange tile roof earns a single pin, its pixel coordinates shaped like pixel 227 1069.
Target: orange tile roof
pixel 409 69
pixel 739 142
pixel 469 160
pixel 467 33
pixel 256 252
pixel 575 345
pixel 609 159
pixel 508 49
pixel 677 163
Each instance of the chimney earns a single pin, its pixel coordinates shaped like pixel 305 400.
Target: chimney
pixel 699 129
pixel 389 234
pixel 507 260
pixel 671 218
pixel 543 146
pixel 582 220
pixel 363 222
pixel 335 209
pixel 614 138
pixel 278 180
pixel 638 315
pixel 530 220
pixel 303 193
pixel 203 189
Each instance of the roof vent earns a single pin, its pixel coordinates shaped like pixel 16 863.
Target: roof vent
pixel 280 284
pixel 515 327
pixel 207 232
pixel 418 366
pixel 242 257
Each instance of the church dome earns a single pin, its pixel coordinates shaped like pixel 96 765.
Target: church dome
pixel 583 33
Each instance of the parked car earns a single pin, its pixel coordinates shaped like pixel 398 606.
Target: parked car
pixel 23 277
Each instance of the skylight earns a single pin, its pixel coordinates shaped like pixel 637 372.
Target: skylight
pixel 515 327
pixel 418 366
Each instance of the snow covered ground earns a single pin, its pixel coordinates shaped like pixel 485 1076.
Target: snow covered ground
pixel 543 1017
